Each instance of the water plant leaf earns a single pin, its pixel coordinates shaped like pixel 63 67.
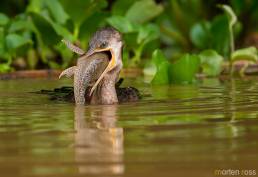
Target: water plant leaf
pixel 5 56
pixel 161 77
pixel 200 34
pixel 15 41
pixel 143 11
pixel 80 10
pixel 57 11
pixel 35 6
pixel 19 25
pixel 158 57
pixel 4 19
pixel 232 19
pixel 148 33
pixel 5 67
pixel 220 35
pixel 122 24
pixel 62 31
pixel 120 7
pixel 184 70
pixel 162 68
pixel 211 62
pixel 2 42
pixel 247 54
pixel 47 32
pixel 230 14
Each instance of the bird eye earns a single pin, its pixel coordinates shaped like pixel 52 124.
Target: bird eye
pixel 103 45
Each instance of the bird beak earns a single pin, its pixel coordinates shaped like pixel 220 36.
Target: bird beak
pixel 111 65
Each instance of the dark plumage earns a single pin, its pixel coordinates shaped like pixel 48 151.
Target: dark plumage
pixel 124 94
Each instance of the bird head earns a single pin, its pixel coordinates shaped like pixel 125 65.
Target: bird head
pixel 107 40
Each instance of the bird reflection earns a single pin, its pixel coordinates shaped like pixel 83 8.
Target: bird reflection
pixel 98 142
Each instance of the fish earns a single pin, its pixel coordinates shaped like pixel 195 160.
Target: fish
pixel 86 73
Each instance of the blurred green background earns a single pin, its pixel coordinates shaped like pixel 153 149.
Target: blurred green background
pixel 31 30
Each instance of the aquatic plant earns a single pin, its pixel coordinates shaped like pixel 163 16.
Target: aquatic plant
pixel 30 31
pixel 209 62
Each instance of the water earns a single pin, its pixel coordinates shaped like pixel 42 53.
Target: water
pixel 174 131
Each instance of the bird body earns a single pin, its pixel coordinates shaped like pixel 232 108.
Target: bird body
pixel 99 67
pixel 86 73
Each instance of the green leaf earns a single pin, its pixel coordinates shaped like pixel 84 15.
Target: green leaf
pixel 184 69
pixel 15 41
pixel 4 54
pixel 5 67
pixel 232 19
pixel 46 30
pixel 3 19
pixel 162 68
pixel 158 57
pixel 32 58
pixel 200 34
pixel 67 55
pixel 119 7
pixel 20 25
pixel 211 62
pixel 143 11
pixel 35 6
pixel 161 77
pixel 148 33
pixel 220 35
pixel 62 31
pixel 79 10
pixel 230 14
pixel 2 42
pixel 247 54
pixel 122 24
pixel 57 11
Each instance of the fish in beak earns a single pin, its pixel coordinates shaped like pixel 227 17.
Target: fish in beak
pixel 112 64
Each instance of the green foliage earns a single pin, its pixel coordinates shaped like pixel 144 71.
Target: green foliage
pixel 122 24
pixel 46 30
pixel 162 67
pixel 45 22
pixel 15 41
pixel 211 62
pixel 185 69
pixel 220 32
pixel 200 34
pixel 212 34
pixel 232 19
pixel 143 11
pixel 177 27
pixel 182 71
pixel 247 54
pixel 3 19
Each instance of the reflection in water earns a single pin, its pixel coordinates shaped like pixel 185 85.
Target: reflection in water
pixel 178 131
pixel 98 142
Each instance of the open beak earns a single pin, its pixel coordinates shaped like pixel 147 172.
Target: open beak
pixel 111 65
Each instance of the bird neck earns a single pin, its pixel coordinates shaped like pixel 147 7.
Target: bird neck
pixel 105 93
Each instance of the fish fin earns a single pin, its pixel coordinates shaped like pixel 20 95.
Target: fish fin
pixel 68 72
pixel 72 47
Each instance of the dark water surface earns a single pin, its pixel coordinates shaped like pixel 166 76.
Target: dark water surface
pixel 177 131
